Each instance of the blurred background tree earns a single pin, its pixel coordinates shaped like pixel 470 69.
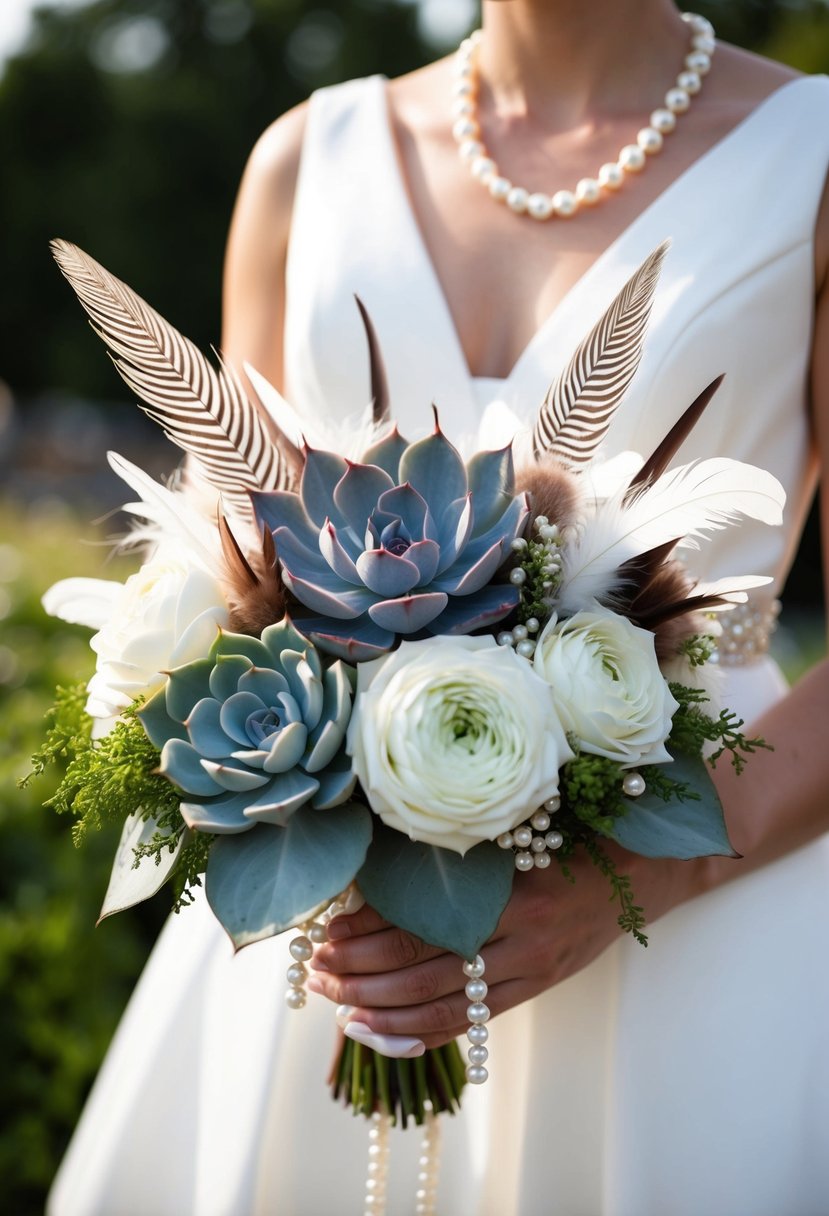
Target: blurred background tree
pixel 124 126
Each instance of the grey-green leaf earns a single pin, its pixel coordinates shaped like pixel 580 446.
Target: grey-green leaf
pixel 262 882
pixel 130 884
pixel 450 901
pixel 693 828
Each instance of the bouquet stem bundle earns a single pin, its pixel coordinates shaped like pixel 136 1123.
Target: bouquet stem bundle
pixel 402 1089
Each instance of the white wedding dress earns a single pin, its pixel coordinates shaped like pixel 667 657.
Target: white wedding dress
pixel 689 1079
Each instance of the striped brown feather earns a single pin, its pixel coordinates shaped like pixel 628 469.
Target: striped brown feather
pixel 202 409
pixel 578 409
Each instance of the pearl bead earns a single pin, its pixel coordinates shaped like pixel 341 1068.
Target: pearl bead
pixel 483 168
pixel 477 1034
pixel 677 100
pixel 663 121
pixel 611 176
pixel 474 968
pixel 540 206
pixel 295 998
pixel 517 577
pixel 463 88
pixel 505 638
pixel 519 632
pixel 649 140
pixel 533 625
pixel 588 191
pixel 704 44
pixel 691 82
pixel 476 990
pixel 518 545
pixel 526 649
pixel 553 804
pixel 477 1012
pixel 698 62
pixel 522 836
pixel 565 203
pixel 541 861
pixel 476 1074
pixel 633 785
pixel 540 821
pixel 466 128
pixel 318 934
pixel 297 974
pixel 505 841
pixel 554 840
pixel 517 199
pixel 539 844
pixel 524 861
pixel 499 188
pixel 471 149
pixel 478 1055
pixel 463 108
pixel 632 158
pixel 301 949
pixel 541 521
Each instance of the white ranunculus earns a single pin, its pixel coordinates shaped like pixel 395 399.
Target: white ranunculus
pixel 455 740
pixel 166 614
pixel 607 686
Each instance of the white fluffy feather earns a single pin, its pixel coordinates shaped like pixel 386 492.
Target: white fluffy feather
pixel 350 437
pixel 171 518
pixel 685 502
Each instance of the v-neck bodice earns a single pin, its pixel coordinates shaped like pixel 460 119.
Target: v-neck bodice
pixel 734 296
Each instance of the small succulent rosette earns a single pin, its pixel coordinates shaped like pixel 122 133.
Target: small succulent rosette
pixel 408 542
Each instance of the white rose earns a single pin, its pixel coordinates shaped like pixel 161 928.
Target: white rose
pixel 166 614
pixel 607 686
pixel 455 740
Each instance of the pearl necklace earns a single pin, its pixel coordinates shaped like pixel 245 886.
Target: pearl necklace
pixel 632 158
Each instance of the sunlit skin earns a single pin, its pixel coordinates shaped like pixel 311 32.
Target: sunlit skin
pixel 564 85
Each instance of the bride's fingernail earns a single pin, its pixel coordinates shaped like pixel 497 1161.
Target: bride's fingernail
pixel 338 929
pixel 396 1046
pixel 343 1015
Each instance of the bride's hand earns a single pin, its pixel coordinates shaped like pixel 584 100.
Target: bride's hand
pixel 550 929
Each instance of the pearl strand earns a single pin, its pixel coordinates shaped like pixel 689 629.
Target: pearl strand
pixel 378 1165
pixel 313 933
pixel 478 1014
pixel 631 159
pixel 428 1165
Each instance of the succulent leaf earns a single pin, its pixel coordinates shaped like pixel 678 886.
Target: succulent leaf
pixel 399 536
pixel 241 733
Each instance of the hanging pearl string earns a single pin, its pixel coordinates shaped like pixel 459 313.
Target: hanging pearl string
pixel 378 1165
pixel 631 159
pixel 477 1013
pixel 313 933
pixel 428 1165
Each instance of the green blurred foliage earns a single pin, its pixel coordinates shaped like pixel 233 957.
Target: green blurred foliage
pixel 140 167
pixel 64 981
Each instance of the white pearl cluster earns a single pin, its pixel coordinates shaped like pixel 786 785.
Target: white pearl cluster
pixel 378 1165
pixel 631 159
pixel 534 841
pixel 428 1165
pixel 478 1014
pixel 313 933
pixel 548 549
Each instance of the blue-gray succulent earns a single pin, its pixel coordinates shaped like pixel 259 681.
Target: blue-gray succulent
pixel 254 731
pixel 406 542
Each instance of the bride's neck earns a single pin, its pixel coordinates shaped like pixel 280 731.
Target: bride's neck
pixel 567 61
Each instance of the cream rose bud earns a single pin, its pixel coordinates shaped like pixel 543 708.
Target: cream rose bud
pixel 455 740
pixel 607 686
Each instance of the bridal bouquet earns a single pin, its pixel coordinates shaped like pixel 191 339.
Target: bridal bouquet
pixel 397 675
